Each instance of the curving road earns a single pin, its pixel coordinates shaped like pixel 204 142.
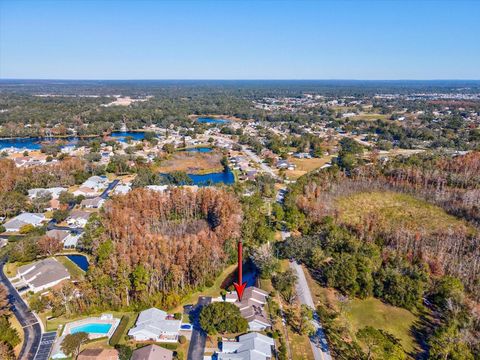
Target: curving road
pixel 31 327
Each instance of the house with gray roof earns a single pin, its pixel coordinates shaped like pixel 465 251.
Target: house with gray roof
pixel 68 239
pixel 78 218
pixel 152 352
pixel 252 346
pixel 42 274
pixel 94 203
pixel 156 325
pixel 16 223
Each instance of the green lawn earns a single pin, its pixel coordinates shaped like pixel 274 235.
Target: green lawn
pixel 395 320
pixel 75 272
pixel 213 291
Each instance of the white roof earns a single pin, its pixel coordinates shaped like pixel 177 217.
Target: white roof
pixel 154 321
pixel 34 219
pixel 252 346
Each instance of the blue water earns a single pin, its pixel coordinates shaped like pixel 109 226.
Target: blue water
pixel 34 143
pixel 225 177
pixel 122 135
pixel 93 328
pixel 186 327
pixel 80 260
pixel 199 149
pixel 207 120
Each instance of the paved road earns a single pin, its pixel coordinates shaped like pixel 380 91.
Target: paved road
pixel 110 186
pixel 259 161
pixel 46 344
pixel 318 341
pixel 31 327
pixel 199 337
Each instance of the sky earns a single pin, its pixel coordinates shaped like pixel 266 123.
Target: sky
pixel 120 39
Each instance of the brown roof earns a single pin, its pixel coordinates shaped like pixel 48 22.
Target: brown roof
pixel 152 352
pixel 98 354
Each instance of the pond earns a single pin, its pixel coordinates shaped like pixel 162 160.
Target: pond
pixel 209 120
pixel 35 143
pixel 200 149
pixel 225 177
pixel 79 260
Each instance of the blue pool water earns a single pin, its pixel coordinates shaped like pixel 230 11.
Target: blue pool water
pixel 199 149
pixel 35 143
pixel 93 328
pixel 225 177
pixel 79 260
pixel 186 327
pixel 208 120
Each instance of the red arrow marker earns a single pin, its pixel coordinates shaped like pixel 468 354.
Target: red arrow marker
pixel 240 286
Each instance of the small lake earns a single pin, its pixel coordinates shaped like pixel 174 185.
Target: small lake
pixel 79 260
pixel 209 120
pixel 225 177
pixel 35 143
pixel 200 149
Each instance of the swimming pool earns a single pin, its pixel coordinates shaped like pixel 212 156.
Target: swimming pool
pixel 92 328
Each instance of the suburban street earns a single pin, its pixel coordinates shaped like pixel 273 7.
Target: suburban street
pixel 199 337
pixel 318 341
pixel 31 327
pixel 259 161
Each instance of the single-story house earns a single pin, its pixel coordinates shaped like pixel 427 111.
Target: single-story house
pixel 42 274
pixel 122 189
pixel 157 188
pixel 78 218
pixel 249 346
pixel 94 203
pixel 16 223
pixel 98 354
pixel 69 240
pixel 152 352
pixel 53 191
pixel 157 325
pixel 96 182
pixel 92 187
pixel 251 308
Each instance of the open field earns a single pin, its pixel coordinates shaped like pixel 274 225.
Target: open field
pixel 364 312
pixel 370 117
pixel 373 312
pixel 395 210
pixel 304 166
pixel 192 163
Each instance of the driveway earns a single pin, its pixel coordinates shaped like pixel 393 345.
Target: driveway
pixel 319 340
pixel 31 327
pixel 199 337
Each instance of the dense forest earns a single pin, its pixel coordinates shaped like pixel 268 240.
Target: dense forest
pixel 403 231
pixel 153 247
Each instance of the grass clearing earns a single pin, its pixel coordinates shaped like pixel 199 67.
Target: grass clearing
pixel 369 312
pixel 392 210
pixel 75 272
pixel 395 320
pixel 192 162
pixel 213 291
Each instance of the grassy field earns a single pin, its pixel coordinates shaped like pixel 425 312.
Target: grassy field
pixel 304 166
pixel 373 312
pixel 364 312
pixel 192 162
pixel 394 210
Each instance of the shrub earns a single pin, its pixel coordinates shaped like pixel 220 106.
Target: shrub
pixel 182 339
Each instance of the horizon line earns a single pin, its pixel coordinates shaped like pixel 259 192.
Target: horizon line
pixel 233 79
